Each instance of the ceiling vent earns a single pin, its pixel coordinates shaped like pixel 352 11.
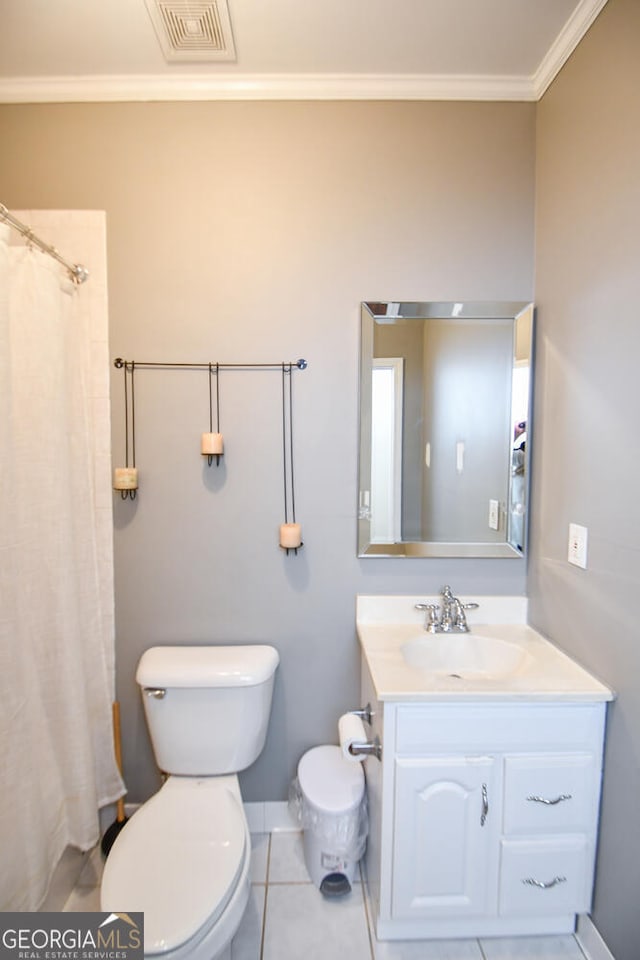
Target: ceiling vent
pixel 196 30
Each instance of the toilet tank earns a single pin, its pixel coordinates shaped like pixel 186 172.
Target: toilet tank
pixel 207 708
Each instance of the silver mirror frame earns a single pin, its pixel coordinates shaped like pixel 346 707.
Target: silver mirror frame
pixel 522 314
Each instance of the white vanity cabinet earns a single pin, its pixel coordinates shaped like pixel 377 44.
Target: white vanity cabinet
pixel 483 815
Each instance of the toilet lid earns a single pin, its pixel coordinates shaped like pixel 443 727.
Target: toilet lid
pixel 177 860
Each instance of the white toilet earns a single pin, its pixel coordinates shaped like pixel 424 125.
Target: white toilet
pixel 183 858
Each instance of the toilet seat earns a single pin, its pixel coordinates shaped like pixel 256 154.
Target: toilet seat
pixel 179 860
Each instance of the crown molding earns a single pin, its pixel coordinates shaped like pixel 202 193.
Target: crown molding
pixel 565 43
pixel 227 86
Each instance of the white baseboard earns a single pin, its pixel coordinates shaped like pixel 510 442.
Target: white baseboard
pixel 590 941
pixel 270 817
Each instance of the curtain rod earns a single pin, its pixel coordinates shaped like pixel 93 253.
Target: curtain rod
pixel 76 271
pixel 300 364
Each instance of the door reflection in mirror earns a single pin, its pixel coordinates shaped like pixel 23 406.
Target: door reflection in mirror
pixel 387 390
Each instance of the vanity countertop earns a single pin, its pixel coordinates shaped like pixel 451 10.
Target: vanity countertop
pixel 545 673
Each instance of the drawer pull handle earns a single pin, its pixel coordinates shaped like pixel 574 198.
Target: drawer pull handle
pixel 544 885
pixel 551 803
pixel 485 805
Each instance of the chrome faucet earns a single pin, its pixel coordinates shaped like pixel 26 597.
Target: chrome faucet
pixel 451 610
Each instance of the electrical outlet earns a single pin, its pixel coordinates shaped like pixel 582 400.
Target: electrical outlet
pixel 577 554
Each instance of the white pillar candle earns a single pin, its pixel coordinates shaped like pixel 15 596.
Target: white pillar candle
pixel 211 444
pixel 290 535
pixel 125 478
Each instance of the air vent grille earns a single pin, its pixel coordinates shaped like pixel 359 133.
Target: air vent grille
pixel 196 30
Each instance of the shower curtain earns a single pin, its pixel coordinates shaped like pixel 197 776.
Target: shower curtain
pixel 56 753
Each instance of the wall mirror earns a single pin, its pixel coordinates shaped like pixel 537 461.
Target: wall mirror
pixel 444 407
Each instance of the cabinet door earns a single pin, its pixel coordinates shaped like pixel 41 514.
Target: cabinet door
pixel 447 820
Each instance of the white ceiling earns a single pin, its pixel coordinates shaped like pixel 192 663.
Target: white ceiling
pixel 70 50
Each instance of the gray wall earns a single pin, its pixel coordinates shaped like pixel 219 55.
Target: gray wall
pixel 587 456
pixel 467 395
pixel 241 231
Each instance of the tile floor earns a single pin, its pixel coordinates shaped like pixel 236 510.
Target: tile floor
pixel 288 919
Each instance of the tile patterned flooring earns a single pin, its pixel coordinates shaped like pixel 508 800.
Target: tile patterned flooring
pixel 288 919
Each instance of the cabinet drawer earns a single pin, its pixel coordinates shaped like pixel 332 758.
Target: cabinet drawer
pixel 482 728
pixel 550 794
pixel 545 878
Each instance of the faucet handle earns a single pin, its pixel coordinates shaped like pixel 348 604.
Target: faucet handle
pixel 431 621
pixel 460 622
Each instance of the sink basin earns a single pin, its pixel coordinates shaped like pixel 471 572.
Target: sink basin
pixel 465 655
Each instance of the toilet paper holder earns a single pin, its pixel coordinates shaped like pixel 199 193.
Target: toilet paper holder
pixel 365 713
pixel 371 748
pixel 365 748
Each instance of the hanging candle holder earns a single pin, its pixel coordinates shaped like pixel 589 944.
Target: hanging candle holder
pixel 212 444
pixel 290 530
pixel 125 479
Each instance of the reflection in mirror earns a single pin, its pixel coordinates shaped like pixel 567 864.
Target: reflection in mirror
pixel 444 406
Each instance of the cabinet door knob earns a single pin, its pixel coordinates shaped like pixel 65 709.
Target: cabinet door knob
pixel 485 805
pixel 544 885
pixel 550 803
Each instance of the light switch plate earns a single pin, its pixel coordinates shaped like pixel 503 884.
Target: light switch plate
pixel 577 554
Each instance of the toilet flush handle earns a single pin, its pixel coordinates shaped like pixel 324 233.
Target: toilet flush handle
pixel 157 692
